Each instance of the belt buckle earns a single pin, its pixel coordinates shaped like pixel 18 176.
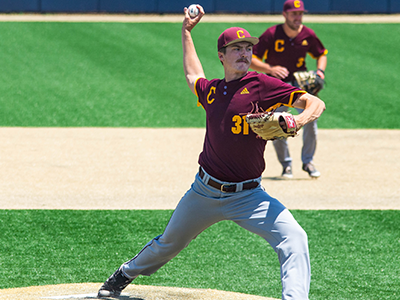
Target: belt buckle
pixel 227 185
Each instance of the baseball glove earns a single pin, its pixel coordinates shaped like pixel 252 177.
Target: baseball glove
pixel 309 81
pixel 272 125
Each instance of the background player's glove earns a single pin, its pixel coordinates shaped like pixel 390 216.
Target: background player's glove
pixel 309 81
pixel 272 125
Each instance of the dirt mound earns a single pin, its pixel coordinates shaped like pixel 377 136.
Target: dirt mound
pixel 133 292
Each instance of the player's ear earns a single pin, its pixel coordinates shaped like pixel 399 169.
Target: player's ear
pixel 221 57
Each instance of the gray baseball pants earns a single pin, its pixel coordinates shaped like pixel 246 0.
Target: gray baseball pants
pixel 310 132
pixel 254 210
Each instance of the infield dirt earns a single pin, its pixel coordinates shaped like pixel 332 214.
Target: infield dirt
pixel 136 168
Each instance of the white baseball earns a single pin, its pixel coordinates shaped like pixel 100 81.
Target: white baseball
pixel 193 10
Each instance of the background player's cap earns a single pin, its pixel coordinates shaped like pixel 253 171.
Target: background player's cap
pixel 293 5
pixel 235 35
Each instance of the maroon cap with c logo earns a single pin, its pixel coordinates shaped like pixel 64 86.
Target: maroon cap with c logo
pixel 235 35
pixel 293 5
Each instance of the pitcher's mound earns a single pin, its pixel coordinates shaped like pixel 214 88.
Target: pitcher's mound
pixel 133 292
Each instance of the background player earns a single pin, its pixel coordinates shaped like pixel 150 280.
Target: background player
pixel 282 51
pixel 227 186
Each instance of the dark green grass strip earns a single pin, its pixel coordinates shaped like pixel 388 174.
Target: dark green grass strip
pixel 354 254
pixel 130 75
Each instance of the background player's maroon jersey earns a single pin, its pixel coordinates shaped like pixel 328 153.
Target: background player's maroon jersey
pixel 276 48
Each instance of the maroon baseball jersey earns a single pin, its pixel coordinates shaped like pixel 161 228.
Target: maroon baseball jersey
pixel 231 151
pixel 276 48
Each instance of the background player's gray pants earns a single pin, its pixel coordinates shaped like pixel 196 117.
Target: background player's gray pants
pixel 310 132
pixel 253 210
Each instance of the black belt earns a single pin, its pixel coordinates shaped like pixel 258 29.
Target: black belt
pixel 228 188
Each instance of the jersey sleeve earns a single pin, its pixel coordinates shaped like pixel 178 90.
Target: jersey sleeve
pixel 200 86
pixel 275 93
pixel 316 48
pixel 260 50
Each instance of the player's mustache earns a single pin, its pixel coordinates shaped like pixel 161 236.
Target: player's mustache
pixel 243 60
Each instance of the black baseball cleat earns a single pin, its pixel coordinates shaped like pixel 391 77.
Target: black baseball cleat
pixel 311 170
pixel 114 285
pixel 287 172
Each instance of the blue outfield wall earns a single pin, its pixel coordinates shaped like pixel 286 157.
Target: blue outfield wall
pixel 211 6
pixel 80 6
pixel 19 5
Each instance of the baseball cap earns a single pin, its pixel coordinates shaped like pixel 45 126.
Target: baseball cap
pixel 235 35
pixel 293 5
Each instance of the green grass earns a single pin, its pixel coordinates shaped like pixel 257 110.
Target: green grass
pixel 94 74
pixel 130 74
pixel 354 254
